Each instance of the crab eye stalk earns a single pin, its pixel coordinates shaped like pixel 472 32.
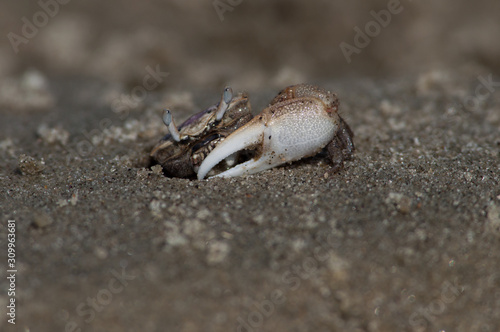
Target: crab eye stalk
pixel 227 96
pixel 168 120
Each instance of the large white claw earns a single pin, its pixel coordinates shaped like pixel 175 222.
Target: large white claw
pixel 246 136
pixel 282 133
pixel 251 167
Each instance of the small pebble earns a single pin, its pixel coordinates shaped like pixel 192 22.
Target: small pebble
pixel 402 202
pixel 29 165
pixel 42 220
pixel 217 252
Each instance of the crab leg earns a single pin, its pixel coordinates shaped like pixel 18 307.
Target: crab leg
pixel 247 136
pixel 226 98
pixel 169 122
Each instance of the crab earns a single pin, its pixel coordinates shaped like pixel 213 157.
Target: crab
pixel 181 152
pixel 299 122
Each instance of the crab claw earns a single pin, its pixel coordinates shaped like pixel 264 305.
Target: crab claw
pixel 283 132
pixel 247 137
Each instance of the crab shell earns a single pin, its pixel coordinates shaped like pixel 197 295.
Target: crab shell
pixel 198 136
pixel 307 91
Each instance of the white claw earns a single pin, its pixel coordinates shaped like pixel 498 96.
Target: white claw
pixel 251 167
pixel 249 137
pixel 282 133
pixel 246 136
pixel 226 98
pixel 168 120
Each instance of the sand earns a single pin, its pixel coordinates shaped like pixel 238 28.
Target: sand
pixel 405 238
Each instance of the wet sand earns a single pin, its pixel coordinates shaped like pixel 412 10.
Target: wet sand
pixel 404 238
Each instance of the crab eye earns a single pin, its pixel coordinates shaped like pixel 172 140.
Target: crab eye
pixel 227 96
pixel 168 120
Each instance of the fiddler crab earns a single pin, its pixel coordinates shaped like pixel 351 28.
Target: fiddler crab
pixel 181 152
pixel 299 122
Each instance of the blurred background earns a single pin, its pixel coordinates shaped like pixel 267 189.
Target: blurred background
pixel 252 44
